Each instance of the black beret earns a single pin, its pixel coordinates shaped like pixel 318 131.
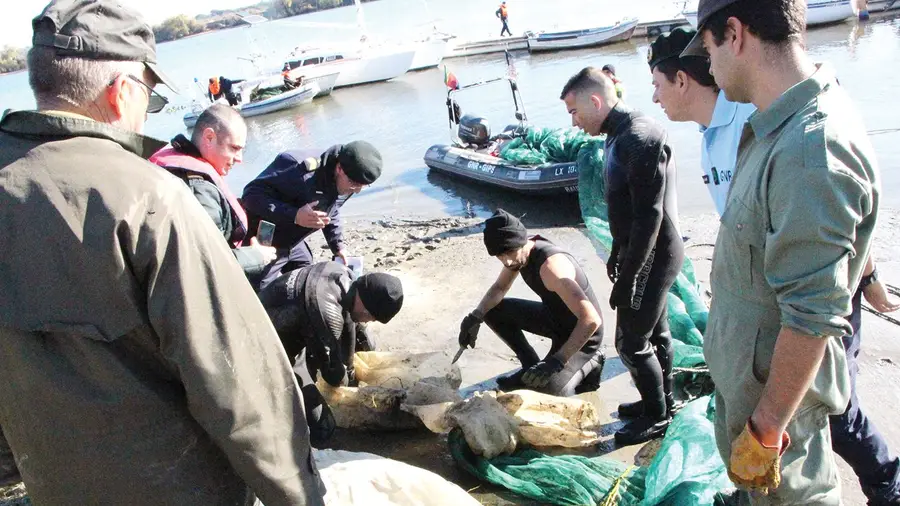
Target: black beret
pixel 669 45
pixel 360 161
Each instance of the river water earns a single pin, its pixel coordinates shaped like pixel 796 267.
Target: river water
pixel 405 116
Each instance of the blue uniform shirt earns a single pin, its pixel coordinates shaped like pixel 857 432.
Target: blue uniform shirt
pixel 719 148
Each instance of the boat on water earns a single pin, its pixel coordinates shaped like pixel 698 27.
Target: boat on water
pixel 359 65
pixel 473 152
pixel 589 37
pixel 487 46
pixel 431 50
pixel 269 103
pixel 818 12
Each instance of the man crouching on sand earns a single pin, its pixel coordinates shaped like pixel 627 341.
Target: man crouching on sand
pixel 568 312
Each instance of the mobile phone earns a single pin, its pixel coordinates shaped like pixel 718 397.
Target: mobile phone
pixel 265 232
pixel 320 206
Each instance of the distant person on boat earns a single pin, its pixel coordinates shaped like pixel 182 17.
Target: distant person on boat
pixel 686 90
pixel 791 251
pixel 222 87
pixel 319 312
pixel 301 192
pixel 503 14
pixel 568 312
pixel 202 162
pixel 647 248
pixel 610 72
pixel 138 367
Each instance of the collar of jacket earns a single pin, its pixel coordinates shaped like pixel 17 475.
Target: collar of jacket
pixel 618 116
pixel 40 124
pixel 329 160
pixel 184 146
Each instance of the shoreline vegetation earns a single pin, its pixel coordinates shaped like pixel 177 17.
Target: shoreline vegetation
pixel 12 59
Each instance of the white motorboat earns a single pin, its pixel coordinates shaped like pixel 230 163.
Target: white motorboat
pixel 486 46
pixel 355 66
pixel 291 98
pixel 431 50
pixel 818 12
pixel 589 37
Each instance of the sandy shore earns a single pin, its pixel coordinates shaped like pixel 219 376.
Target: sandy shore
pixel 445 270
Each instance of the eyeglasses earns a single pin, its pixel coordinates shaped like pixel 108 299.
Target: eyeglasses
pixel 155 101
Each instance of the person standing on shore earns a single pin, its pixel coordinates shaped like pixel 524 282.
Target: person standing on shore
pixel 647 249
pixel 138 366
pixel 503 14
pixel 687 92
pixel 791 250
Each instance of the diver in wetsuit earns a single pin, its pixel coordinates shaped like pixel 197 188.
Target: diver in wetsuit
pixel 316 311
pixel 647 250
pixel 568 312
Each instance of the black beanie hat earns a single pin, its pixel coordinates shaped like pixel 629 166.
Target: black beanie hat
pixel 503 232
pixel 360 161
pixel 381 293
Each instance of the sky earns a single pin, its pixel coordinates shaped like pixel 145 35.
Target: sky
pixel 15 24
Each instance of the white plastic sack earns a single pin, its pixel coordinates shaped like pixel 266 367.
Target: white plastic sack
pixel 547 420
pixel 403 370
pixel 353 478
pixel 488 428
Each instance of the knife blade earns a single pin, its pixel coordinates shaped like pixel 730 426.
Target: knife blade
pixel 458 354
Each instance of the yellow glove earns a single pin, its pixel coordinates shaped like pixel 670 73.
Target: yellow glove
pixel 753 465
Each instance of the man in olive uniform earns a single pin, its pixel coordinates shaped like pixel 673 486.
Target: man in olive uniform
pixel 791 250
pixel 138 366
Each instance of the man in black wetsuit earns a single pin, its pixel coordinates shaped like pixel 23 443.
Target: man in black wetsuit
pixel 568 313
pixel 647 250
pixel 316 310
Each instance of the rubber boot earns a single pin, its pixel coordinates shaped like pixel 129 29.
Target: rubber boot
pixel 654 419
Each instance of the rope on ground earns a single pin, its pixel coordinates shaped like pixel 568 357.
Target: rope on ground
pixel 612 498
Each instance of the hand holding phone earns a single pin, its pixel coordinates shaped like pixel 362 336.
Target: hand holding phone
pixel 265 232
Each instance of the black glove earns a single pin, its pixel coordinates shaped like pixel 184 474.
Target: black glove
pixel 538 375
pixel 612 265
pixel 622 293
pixel 334 372
pixel 468 330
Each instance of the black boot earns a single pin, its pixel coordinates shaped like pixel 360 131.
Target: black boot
pixel 636 408
pixel 642 429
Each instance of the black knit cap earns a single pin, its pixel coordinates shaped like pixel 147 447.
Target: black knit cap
pixel 503 232
pixel 610 67
pixel 381 293
pixel 669 45
pixel 360 161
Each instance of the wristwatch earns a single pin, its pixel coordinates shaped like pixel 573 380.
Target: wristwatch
pixel 868 280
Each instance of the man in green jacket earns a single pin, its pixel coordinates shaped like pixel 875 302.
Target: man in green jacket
pixel 138 365
pixel 202 162
pixel 791 250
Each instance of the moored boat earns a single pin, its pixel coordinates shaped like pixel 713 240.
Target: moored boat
pixel 589 37
pixel 291 98
pixel 487 46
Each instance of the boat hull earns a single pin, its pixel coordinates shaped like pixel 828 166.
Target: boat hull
pixel 553 41
pixel 487 46
pixel 430 53
pixel 375 68
pixel 293 98
pixel 817 13
pixel 547 179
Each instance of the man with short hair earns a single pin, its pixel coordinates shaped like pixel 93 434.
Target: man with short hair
pixel 791 250
pixel 647 249
pixel 687 92
pixel 138 367
pixel 303 191
pixel 568 312
pixel 202 162
pixel 317 311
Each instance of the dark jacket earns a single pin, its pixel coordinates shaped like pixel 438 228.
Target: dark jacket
pixel 310 308
pixel 291 181
pixel 218 208
pixel 138 366
pixel 640 189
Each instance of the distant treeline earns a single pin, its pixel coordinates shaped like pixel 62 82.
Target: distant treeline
pixel 12 59
pixel 177 27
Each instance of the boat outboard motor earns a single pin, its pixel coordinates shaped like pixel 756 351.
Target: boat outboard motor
pixel 474 130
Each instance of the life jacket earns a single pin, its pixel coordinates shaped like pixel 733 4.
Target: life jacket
pixel 214 87
pixel 503 11
pixel 171 160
